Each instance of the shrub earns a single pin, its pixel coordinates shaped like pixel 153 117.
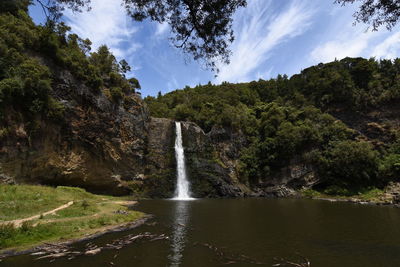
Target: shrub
pixel 9 88
pixel 85 204
pixel 6 231
pixel 349 164
pixel 116 94
pixel 389 166
pixel 95 83
pixel 55 109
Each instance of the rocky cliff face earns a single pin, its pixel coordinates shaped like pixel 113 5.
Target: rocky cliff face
pixel 99 145
pixel 211 161
pixel 159 179
pixel 213 165
pixel 378 125
pixel 118 149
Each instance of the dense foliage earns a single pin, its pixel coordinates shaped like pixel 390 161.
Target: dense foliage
pixel 26 80
pixel 287 120
pixel 355 83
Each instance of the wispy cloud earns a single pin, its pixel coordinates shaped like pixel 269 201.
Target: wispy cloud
pixel 107 23
pixel 347 44
pixel 343 39
pixel 389 48
pixel 264 74
pixel 258 32
pixel 172 84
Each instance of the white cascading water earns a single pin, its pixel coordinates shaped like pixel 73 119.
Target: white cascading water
pixel 182 186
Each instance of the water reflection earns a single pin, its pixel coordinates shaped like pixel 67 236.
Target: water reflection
pixel 178 238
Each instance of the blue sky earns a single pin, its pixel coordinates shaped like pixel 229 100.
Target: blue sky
pixel 272 37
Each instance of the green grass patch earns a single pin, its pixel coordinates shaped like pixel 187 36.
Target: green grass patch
pixel 89 214
pixel 21 201
pixel 366 194
pixel 372 194
pixel 310 193
pixel 27 235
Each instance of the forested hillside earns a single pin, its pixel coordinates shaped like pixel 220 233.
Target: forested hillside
pixel 68 115
pixel 342 118
pixel 30 56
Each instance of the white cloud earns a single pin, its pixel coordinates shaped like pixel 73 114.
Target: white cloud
pixel 106 23
pixel 265 75
pixel 343 39
pixel 258 32
pixel 349 44
pixel 162 29
pixel 389 48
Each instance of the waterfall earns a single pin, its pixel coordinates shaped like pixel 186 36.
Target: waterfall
pixel 182 185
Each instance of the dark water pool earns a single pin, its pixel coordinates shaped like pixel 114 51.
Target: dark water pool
pixel 247 232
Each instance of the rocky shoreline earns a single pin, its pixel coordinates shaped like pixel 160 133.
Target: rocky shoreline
pixel 48 247
pixel 389 196
pixel 358 201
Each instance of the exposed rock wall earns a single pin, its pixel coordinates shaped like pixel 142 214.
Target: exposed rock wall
pixel 378 125
pixel 108 148
pixel 98 146
pixel 159 179
pixel 213 164
pixel 211 172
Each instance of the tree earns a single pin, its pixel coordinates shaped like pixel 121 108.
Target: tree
pixel 377 13
pixel 201 28
pixel 124 66
pixel 134 84
pixel 53 9
pixel 104 60
pixel 13 6
pixel 350 164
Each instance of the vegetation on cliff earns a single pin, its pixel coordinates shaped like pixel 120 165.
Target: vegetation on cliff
pixel 87 214
pixel 30 57
pixel 297 119
pixel 68 115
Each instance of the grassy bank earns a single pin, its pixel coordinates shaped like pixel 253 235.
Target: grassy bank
pixel 88 214
pixel 372 195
